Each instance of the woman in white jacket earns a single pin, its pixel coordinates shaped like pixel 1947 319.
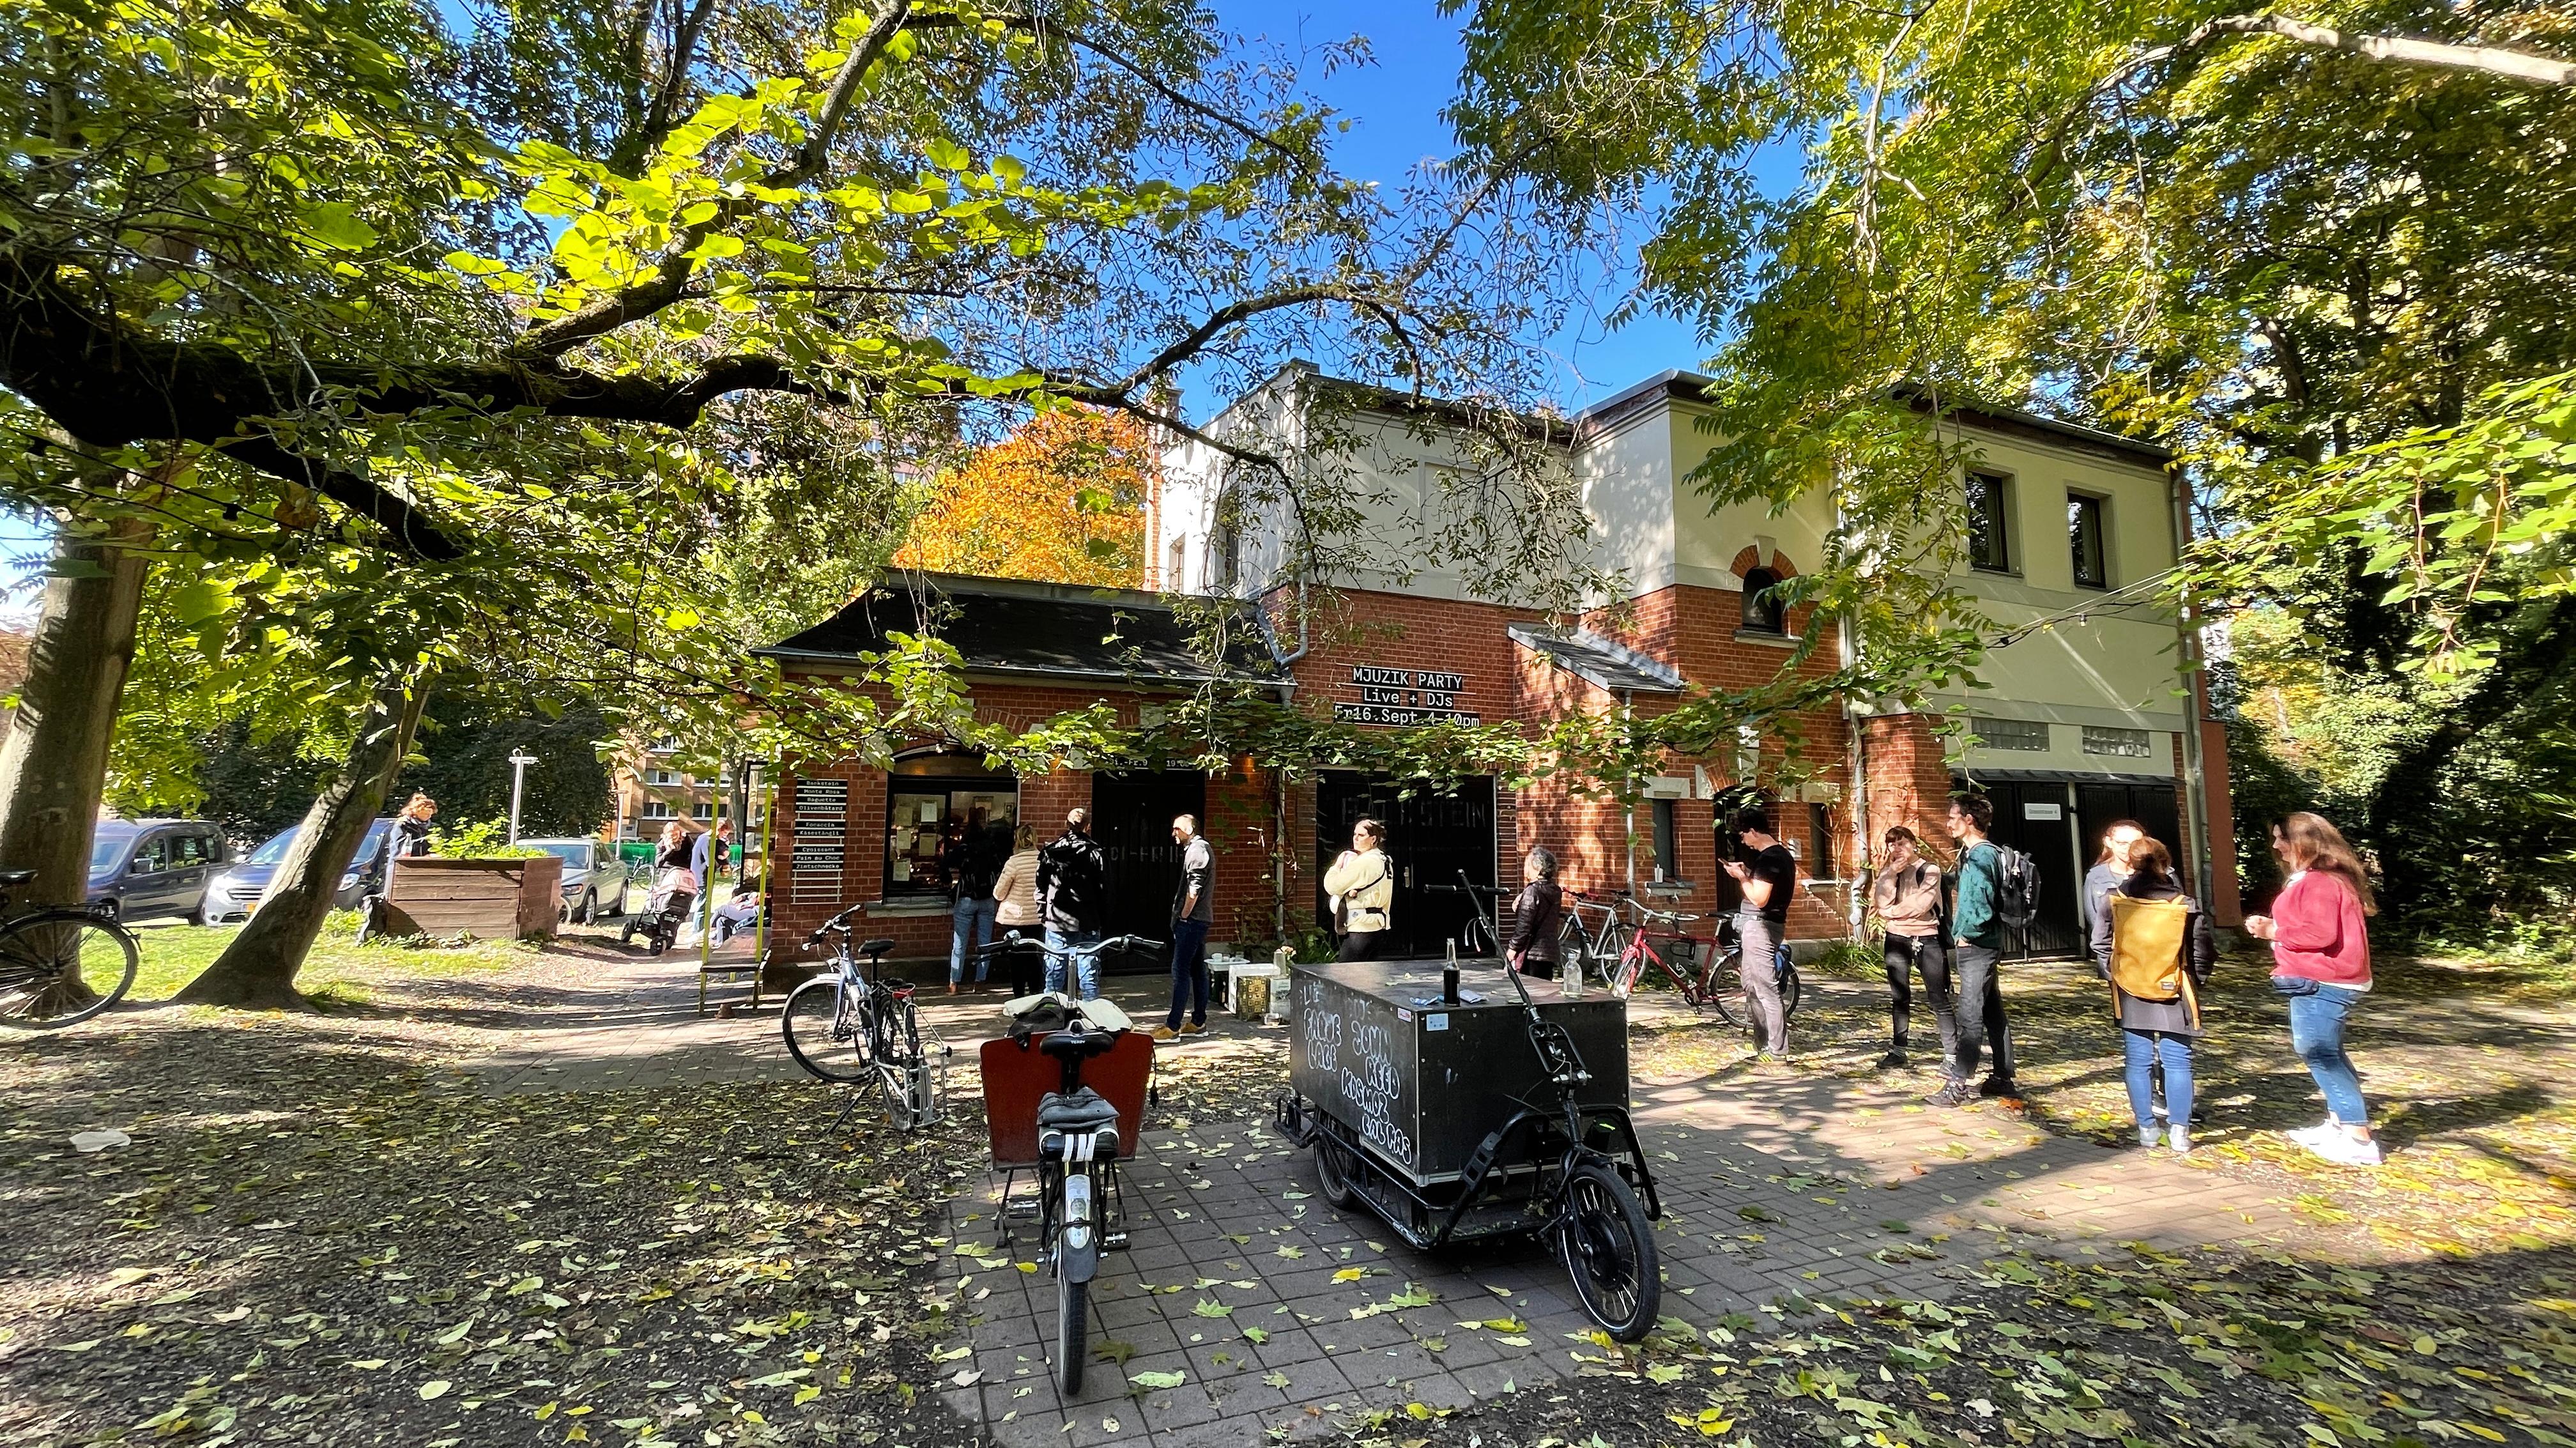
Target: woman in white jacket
pixel 1361 885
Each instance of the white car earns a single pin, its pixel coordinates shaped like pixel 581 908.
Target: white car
pixel 594 878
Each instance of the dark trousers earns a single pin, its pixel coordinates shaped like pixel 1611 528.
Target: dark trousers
pixel 1981 1015
pixel 1359 945
pixel 1189 972
pixel 1905 955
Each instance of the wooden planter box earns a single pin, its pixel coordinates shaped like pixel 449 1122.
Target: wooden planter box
pixel 489 899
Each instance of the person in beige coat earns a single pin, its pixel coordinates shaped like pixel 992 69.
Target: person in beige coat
pixel 1906 897
pixel 1361 886
pixel 1017 890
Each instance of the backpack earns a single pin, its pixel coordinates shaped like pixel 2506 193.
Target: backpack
pixel 2147 946
pixel 2017 887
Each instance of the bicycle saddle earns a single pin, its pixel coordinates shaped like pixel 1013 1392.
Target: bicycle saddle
pixel 1061 1115
pixel 15 877
pixel 1082 1045
pixel 875 948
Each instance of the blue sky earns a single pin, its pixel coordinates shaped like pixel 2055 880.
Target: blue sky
pixel 1396 104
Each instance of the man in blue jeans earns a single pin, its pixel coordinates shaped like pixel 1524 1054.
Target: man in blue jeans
pixel 1073 902
pixel 1977 946
pixel 973 863
pixel 1193 911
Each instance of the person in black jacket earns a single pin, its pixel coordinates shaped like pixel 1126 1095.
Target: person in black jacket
pixel 2156 1031
pixel 411 829
pixel 1073 900
pixel 1537 915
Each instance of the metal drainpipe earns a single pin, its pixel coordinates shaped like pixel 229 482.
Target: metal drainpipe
pixel 1627 719
pixel 2195 777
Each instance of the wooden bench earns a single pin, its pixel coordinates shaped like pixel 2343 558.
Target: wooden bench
pixel 732 970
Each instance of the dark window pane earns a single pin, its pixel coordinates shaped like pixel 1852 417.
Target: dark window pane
pixel 2084 540
pixel 1988 546
pixel 1762 611
pixel 1668 854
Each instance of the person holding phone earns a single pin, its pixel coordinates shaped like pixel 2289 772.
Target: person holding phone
pixel 1769 877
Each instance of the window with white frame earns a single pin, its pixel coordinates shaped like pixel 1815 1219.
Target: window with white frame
pixel 2022 735
pixel 2084 543
pixel 665 777
pixel 658 809
pixel 1176 568
pixel 2126 743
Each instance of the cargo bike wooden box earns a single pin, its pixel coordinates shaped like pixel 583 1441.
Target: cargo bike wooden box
pixel 1502 1114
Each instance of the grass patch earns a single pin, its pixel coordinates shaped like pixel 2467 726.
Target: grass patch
pixel 339 970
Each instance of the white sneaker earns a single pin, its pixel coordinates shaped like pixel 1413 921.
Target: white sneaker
pixel 2309 1136
pixel 2180 1140
pixel 2148 1134
pixel 2344 1149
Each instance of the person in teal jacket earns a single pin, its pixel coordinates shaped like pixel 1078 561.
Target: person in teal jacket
pixel 1977 943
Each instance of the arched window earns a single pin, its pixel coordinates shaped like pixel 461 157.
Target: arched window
pixel 1762 610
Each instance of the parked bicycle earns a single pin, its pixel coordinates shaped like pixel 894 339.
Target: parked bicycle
pixel 56 962
pixel 1594 944
pixel 1726 983
pixel 851 1026
pixel 1677 954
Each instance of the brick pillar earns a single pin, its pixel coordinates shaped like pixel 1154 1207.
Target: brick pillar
pixel 1909 778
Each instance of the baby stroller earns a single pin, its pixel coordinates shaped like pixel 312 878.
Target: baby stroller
pixel 675 894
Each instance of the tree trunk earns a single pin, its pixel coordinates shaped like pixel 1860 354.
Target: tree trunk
pixel 257 971
pixel 53 767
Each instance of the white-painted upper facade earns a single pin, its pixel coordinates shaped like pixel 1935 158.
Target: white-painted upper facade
pixel 2081 526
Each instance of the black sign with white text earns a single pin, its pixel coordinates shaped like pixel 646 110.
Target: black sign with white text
pixel 1403 697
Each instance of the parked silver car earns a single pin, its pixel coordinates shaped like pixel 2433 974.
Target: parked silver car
pixel 594 878
pixel 142 868
pixel 238 891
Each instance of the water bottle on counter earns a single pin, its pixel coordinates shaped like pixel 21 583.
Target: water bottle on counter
pixel 1449 977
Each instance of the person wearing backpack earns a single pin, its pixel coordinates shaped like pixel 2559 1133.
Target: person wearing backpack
pixel 1361 886
pixel 2151 941
pixel 1770 879
pixel 1977 921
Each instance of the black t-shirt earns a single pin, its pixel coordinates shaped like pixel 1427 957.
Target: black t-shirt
pixel 1778 866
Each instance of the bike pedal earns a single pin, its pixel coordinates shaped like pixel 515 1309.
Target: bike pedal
pixel 1023 1209
pixel 1114 1242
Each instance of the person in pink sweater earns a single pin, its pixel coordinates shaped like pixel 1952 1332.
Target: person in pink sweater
pixel 2320 934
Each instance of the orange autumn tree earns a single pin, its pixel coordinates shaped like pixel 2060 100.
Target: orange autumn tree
pixel 1060 501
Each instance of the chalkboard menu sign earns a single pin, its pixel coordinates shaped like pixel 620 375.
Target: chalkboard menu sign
pixel 1403 697
pixel 819 847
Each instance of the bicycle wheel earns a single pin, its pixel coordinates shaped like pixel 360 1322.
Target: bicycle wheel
pixel 1333 1169
pixel 1072 1320
pixel 820 1034
pixel 898 1058
pixel 62 967
pixel 1609 1249
pixel 1724 987
pixel 1789 988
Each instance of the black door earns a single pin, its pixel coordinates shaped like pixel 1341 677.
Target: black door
pixel 1433 833
pixel 2151 805
pixel 2034 819
pixel 1131 817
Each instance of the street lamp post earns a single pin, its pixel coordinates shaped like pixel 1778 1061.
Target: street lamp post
pixel 520 759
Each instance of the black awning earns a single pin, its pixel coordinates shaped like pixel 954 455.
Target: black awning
pixel 1047 630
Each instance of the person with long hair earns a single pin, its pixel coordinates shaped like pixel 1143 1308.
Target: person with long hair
pixel 1906 896
pixel 2152 942
pixel 2111 866
pixel 410 838
pixel 1361 886
pixel 2320 933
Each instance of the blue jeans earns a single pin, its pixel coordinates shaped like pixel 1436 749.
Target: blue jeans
pixel 1087 974
pixel 1189 972
pixel 970 931
pixel 2316 1033
pixel 2143 1048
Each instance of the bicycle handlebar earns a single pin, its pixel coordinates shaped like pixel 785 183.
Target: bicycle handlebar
pixel 840 922
pixel 1015 940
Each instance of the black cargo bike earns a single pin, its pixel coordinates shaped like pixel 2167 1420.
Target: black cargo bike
pixel 1501 1114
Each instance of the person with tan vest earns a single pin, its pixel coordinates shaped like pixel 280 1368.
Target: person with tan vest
pixel 1906 897
pixel 2152 943
pixel 1361 887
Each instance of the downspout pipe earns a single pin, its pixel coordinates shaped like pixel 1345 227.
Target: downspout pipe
pixel 2195 684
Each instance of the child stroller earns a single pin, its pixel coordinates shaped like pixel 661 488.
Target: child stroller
pixel 675 894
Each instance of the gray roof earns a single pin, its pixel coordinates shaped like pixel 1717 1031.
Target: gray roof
pixel 1606 662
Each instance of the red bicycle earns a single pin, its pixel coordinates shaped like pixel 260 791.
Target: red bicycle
pixel 1683 958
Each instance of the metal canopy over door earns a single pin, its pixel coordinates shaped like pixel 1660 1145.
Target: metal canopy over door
pixel 2038 820
pixel 1432 834
pixel 1131 817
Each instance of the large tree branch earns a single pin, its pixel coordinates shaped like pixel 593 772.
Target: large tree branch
pixel 2519 66
pixel 670 278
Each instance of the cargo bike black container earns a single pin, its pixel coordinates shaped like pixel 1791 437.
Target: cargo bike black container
pixel 1503 1113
